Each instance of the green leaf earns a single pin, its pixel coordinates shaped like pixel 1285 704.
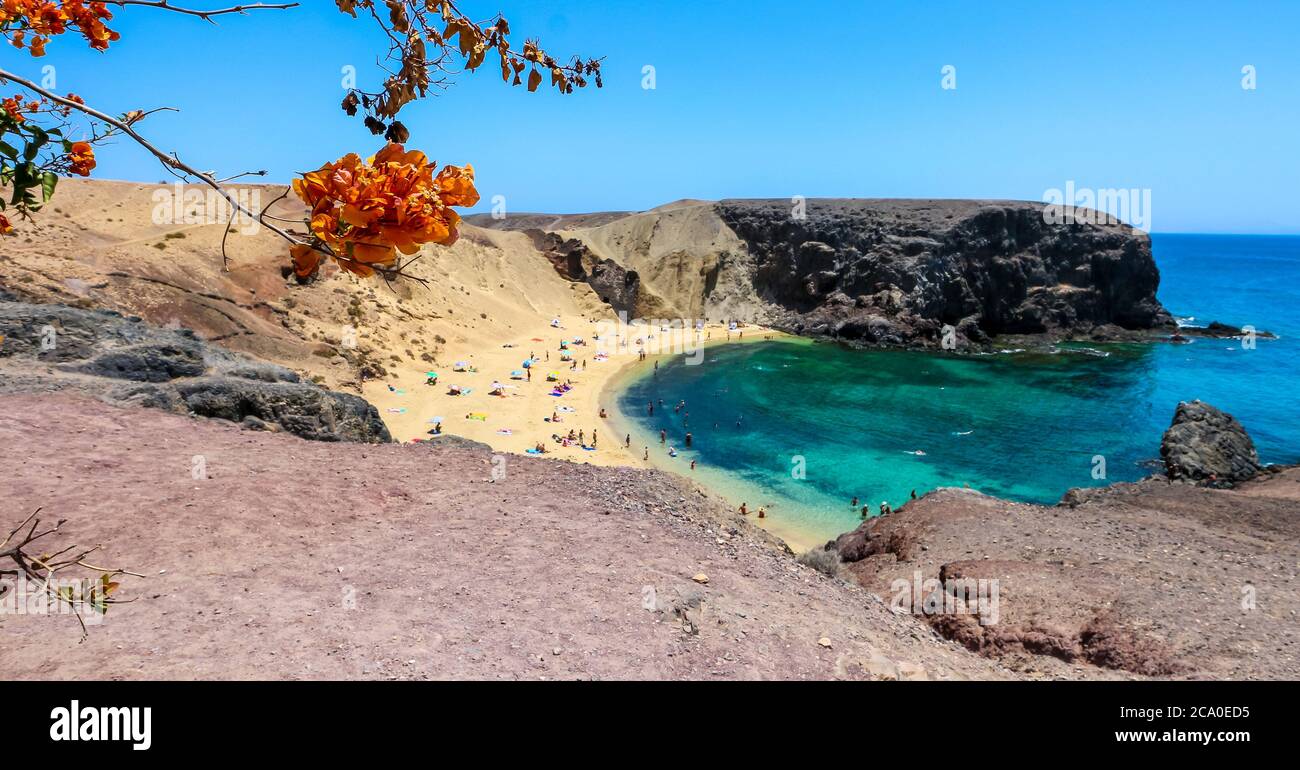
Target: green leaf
pixel 48 181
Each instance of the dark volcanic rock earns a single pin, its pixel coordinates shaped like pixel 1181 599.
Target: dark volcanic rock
pixel 125 361
pixel 898 272
pixel 1205 444
pixel 617 286
pixel 304 410
pixel 148 363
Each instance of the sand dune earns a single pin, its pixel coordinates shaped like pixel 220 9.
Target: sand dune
pixel 101 244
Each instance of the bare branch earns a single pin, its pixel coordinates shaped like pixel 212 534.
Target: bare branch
pixel 206 15
pixel 184 171
pixel 95 594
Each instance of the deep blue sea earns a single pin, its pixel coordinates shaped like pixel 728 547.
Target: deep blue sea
pixel 879 424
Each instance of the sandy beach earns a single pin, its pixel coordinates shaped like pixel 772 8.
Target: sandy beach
pixel 518 420
pixel 521 417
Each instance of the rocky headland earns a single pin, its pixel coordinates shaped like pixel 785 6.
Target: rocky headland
pixel 892 273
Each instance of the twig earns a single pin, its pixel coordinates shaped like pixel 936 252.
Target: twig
pixel 205 15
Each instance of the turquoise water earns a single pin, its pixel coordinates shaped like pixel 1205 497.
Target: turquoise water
pixel 1022 426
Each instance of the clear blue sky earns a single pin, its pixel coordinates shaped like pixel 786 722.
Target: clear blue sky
pixel 760 99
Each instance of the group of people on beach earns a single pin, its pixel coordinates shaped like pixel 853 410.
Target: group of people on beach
pixel 885 507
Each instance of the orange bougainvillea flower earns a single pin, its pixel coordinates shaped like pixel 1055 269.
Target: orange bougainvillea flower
pixel 15 107
pixel 369 211
pixel 45 19
pixel 5 227
pixel 82 157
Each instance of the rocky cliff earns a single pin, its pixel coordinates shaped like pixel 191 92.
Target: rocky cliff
pixel 897 272
pixel 878 272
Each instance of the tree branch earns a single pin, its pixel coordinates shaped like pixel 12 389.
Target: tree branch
pixel 180 168
pixel 205 15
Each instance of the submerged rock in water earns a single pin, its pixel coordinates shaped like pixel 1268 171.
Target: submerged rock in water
pixel 1205 444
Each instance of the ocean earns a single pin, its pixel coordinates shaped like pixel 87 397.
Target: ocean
pixel 802 428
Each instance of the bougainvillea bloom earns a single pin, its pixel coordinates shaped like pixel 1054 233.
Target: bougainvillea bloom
pixel 82 157
pixel 368 211
pixel 43 19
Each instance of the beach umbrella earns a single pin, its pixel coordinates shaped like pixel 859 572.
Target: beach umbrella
pixel 435 420
pixel 528 363
pixel 430 374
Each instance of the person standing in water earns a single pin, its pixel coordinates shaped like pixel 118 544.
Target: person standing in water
pixel 854 504
pixel 663 436
pixel 688 440
pixel 744 511
pixel 628 441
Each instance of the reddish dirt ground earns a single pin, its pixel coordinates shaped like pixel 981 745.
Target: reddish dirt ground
pixel 300 560
pixel 1151 578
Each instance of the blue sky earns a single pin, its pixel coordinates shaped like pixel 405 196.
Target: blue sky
pixel 759 99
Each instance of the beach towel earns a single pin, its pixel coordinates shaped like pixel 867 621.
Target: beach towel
pixel 480 416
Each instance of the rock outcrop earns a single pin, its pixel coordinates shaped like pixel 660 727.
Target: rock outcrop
pixel 126 361
pixel 617 286
pixel 897 272
pixel 1208 446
